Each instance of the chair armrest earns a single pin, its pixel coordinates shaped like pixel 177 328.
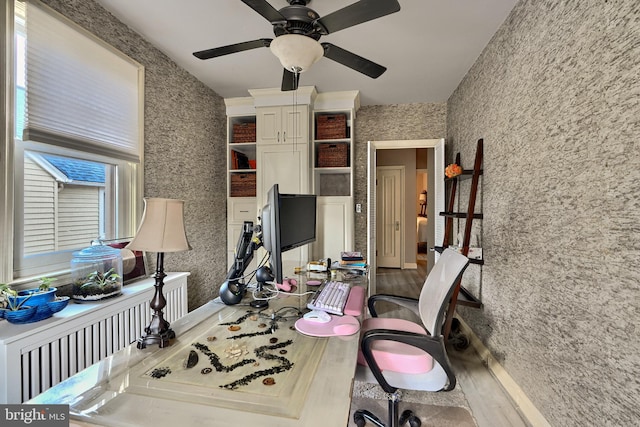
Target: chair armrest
pixel 406 302
pixel 434 346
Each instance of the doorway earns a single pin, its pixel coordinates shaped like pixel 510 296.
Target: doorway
pixel 435 190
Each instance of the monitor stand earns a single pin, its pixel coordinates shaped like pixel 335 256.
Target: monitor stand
pixel 259 303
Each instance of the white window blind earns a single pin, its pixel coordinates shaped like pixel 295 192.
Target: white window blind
pixel 81 93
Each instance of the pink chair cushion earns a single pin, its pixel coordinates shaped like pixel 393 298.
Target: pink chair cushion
pixel 395 356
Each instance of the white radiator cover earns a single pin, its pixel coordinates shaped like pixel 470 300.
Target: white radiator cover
pixel 37 356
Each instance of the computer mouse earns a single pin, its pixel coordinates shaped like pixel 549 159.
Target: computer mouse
pixel 346 329
pixel 317 316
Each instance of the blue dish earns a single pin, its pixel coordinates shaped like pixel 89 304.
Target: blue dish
pixel 25 314
pixel 58 304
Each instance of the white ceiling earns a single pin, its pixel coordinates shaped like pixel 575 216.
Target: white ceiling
pixel 427 47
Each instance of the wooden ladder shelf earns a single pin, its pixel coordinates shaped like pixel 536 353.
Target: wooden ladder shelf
pixel 461 295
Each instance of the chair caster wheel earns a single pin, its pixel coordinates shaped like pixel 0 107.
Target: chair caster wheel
pixel 359 419
pixel 461 342
pixel 408 415
pixel 361 416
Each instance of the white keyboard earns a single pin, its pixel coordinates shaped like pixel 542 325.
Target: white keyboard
pixel 331 297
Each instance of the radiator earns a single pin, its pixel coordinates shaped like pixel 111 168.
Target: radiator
pixel 39 355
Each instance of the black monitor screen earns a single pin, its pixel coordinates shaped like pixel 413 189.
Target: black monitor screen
pixel 288 221
pixel 297 220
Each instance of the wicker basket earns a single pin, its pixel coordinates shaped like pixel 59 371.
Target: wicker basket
pixel 333 155
pixel 331 126
pixel 243 185
pixel 244 132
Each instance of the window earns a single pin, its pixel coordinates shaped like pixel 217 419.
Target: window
pixel 74 153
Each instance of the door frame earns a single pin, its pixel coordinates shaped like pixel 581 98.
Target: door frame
pixel 372 147
pixel 402 211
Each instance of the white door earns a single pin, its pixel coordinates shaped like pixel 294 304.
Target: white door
pixel 389 216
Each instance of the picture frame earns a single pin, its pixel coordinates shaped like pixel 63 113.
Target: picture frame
pixel 134 263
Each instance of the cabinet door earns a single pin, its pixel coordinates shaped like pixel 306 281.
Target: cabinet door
pixel 269 125
pixel 295 124
pixel 335 227
pixel 286 165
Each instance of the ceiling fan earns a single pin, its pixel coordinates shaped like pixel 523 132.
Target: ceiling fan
pixel 298 28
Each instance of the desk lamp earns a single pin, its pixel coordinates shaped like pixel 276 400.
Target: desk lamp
pixel 423 203
pixel 162 230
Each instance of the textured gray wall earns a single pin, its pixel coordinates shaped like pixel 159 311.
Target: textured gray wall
pixel 389 123
pixel 556 96
pixel 184 147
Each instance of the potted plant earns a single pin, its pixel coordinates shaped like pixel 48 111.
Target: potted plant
pixel 41 295
pixel 98 285
pixel 13 307
pixel 43 302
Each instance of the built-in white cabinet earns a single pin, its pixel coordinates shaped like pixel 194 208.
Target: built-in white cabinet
pixel 287 150
pixel 283 125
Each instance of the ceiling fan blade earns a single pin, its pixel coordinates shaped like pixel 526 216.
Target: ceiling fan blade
pixel 289 80
pixel 232 48
pixel 353 61
pixel 265 9
pixel 356 13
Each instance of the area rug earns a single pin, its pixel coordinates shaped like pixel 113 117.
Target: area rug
pixel 443 409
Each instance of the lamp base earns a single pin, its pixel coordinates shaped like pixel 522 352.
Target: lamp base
pixel 160 338
pixel 158 331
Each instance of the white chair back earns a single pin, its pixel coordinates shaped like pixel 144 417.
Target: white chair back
pixel 438 287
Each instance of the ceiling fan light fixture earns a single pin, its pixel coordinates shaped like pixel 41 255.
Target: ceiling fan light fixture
pixel 297 53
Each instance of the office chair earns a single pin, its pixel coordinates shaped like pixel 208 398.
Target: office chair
pixel 400 354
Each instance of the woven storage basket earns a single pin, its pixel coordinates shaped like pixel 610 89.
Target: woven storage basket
pixel 331 126
pixel 243 185
pixel 333 155
pixel 244 132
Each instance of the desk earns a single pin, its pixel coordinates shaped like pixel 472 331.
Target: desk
pixel 124 389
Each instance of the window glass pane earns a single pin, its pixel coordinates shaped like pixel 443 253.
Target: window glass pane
pixel 64 202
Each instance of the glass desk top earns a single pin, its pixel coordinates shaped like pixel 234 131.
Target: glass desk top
pixel 227 363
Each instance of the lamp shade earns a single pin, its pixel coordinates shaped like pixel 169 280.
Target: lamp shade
pixel 162 227
pixel 296 52
pixel 423 197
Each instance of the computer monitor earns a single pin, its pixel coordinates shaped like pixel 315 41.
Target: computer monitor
pixel 288 221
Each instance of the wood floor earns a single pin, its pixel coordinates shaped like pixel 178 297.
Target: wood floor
pixel 489 404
